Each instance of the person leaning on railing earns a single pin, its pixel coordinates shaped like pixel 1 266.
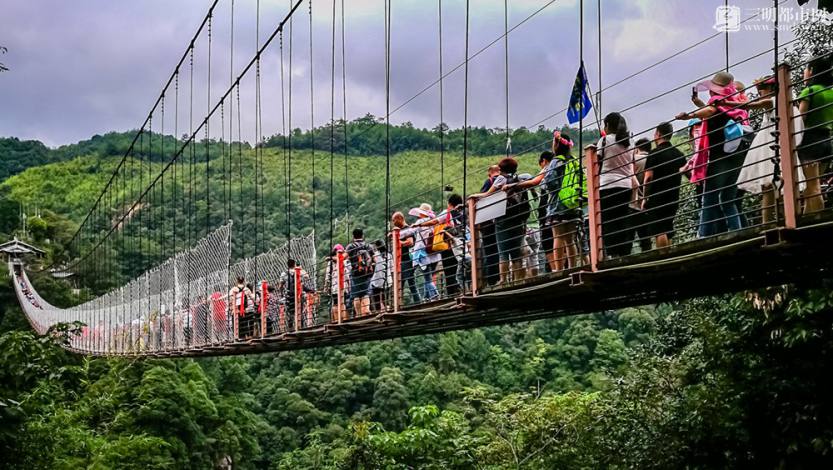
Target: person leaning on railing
pixel 338 311
pixel 406 266
pixel 511 227
pixel 451 223
pixel 488 235
pixel 425 258
pixel 562 217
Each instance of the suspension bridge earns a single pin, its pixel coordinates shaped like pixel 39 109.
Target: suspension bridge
pixel 181 220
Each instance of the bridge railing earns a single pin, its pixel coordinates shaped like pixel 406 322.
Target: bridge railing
pixel 700 187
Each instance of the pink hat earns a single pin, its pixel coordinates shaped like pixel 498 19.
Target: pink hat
pixel 423 211
pixel 338 247
pixel 717 84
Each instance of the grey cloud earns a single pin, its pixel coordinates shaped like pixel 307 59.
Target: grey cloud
pixel 86 67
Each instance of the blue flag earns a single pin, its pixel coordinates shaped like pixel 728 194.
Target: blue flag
pixel 580 103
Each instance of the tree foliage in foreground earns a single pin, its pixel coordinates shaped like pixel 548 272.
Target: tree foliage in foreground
pixel 736 381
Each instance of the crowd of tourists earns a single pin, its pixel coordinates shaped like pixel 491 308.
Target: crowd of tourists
pixel 726 150
pixel 543 222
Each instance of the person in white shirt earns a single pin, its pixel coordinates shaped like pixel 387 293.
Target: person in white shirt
pixel 382 277
pixel 422 259
pixel 617 179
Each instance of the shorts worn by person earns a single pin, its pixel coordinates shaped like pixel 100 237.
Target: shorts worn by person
pixel 423 258
pixel 816 145
pixel 360 255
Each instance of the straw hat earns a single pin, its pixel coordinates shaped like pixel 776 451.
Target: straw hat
pixel 717 84
pixel 424 210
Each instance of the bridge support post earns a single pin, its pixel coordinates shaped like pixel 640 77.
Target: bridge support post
pixel 396 243
pixel 473 235
pixel 340 286
pixel 264 291
pixel 786 142
pixel 236 320
pixel 297 294
pixel 594 211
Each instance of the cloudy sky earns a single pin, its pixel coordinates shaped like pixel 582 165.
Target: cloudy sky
pixel 84 67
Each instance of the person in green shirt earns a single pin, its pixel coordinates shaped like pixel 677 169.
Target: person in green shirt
pixel 816 106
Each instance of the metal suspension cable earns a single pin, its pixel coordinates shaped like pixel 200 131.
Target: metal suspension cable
pixel 506 73
pixel 289 155
pixel 599 27
pixel 285 143
pixel 466 107
pixel 726 32
pixel 242 205
pixel 191 152
pixel 460 65
pixel 257 140
pixel 162 181
pixel 213 110
pixel 776 134
pixel 344 116
pixel 332 126
pixel 581 67
pixel 387 115
pixel 208 141
pixel 312 121
pixel 659 62
pixel 89 216
pixel 440 127
pixel 176 140
pixel 472 56
pixel 227 169
pixel 259 226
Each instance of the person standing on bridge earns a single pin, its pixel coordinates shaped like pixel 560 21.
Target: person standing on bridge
pixel 662 180
pixel 338 311
pixel 488 234
pixel 816 150
pixel 424 257
pixel 242 299
pixel 406 265
pixel 617 179
pixel 382 277
pixel 724 162
pixel 511 227
pixel 361 270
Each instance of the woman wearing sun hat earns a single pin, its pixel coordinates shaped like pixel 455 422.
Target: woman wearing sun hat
pixel 722 169
pixel 423 260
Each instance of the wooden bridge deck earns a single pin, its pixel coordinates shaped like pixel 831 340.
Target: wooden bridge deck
pixel 726 264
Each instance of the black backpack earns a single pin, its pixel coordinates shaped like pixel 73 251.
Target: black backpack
pixel 517 202
pixel 361 260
